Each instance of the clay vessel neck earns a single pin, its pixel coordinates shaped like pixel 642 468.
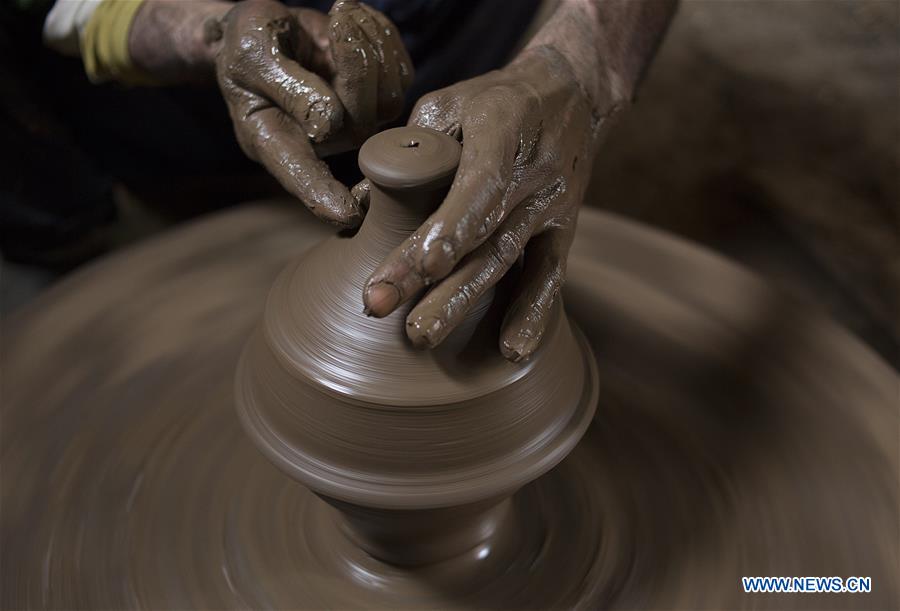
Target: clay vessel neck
pixel 409 170
pixel 394 214
pixel 419 450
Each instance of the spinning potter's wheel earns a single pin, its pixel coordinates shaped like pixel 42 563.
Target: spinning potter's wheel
pixel 735 433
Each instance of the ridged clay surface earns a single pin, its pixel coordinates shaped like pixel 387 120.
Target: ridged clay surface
pixel 347 405
pixel 737 433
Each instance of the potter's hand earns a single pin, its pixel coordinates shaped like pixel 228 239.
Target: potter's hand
pixel 528 136
pixel 299 84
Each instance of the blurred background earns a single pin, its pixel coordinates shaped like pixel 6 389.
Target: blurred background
pixel 767 130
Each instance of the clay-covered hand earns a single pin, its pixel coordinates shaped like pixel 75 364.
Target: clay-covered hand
pixel 300 84
pixel 528 133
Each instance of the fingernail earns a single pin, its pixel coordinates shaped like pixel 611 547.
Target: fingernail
pixel 355 213
pixel 322 117
pixel 381 299
pixel 439 258
pixel 360 193
pixel 426 333
pixel 519 353
pixel 337 209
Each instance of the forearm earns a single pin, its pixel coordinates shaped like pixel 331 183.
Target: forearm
pixel 168 38
pixel 607 43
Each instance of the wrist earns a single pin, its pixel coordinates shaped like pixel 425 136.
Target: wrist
pixel 571 40
pixel 584 79
pixel 168 40
pixel 608 43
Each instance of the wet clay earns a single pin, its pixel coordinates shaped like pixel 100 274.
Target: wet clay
pixel 419 449
pixel 528 140
pixel 736 433
pixel 531 132
pixel 299 84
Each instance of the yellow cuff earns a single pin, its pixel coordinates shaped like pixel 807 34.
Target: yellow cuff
pixel 104 44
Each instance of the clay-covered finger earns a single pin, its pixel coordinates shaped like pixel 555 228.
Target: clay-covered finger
pixel 399 57
pixel 478 200
pixel 388 81
pixel 241 105
pixel 256 56
pixel 445 306
pixel 356 69
pixel 438 110
pixel 542 279
pixel 280 146
pixel 304 96
pixel 394 282
pixel 432 251
pixel 395 66
pixel 361 192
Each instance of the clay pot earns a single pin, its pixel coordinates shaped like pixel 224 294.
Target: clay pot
pixel 418 448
